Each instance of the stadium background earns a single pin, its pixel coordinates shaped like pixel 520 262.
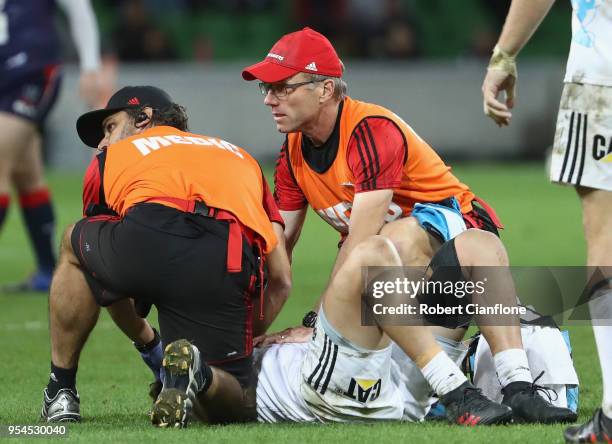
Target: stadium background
pixel 423 59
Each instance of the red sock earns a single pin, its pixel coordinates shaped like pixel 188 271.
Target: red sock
pixel 5 200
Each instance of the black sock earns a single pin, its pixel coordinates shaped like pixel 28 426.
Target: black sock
pixel 40 221
pixel 4 203
pixel 61 378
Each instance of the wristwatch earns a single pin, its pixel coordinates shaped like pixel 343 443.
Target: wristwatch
pixel 310 319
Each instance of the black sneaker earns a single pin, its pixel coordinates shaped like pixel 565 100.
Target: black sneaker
pixel 528 406
pixel 594 430
pixel 63 407
pixel 467 406
pixel 183 380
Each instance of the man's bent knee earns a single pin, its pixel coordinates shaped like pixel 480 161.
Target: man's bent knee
pixel 415 245
pixel 376 251
pixel 479 247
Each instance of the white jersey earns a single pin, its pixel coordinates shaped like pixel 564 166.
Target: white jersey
pixel 590 57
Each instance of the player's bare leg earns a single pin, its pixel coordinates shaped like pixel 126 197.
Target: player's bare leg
pixel 15 133
pixel 28 172
pixel 477 248
pixel 483 258
pixel 342 309
pixel 226 400
pixel 27 176
pixel 73 313
pixel 596 210
pixel 416 248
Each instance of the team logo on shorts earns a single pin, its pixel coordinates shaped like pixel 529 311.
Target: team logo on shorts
pixel 364 390
pixel 602 148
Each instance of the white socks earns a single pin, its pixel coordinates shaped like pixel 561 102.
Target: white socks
pixel 601 313
pixel 603 338
pixel 442 374
pixel 512 366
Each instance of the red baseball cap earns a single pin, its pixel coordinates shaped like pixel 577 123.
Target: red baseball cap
pixel 301 51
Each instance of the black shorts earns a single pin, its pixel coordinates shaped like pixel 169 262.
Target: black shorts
pixel 176 261
pixel 30 94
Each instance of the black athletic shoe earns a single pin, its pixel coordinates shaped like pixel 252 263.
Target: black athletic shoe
pixel 594 430
pixel 528 406
pixel 183 379
pixel 467 406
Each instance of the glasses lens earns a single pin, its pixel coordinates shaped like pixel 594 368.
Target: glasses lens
pixel 264 88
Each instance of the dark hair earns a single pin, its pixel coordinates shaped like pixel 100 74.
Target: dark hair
pixel 174 116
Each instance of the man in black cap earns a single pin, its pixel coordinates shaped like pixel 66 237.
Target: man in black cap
pixel 163 226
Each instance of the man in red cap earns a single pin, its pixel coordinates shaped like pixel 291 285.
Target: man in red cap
pixel 366 172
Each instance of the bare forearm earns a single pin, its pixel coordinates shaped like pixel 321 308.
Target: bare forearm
pixel 522 21
pixel 275 296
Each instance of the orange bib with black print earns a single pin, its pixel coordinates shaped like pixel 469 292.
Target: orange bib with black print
pixel 425 177
pixel 165 162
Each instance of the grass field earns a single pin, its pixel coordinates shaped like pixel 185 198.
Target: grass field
pixel 543 228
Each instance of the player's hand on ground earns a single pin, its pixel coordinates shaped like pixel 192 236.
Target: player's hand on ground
pixel 90 84
pixel 288 335
pixel 495 83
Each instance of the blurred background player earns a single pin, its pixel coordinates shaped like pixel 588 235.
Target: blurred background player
pixel 30 75
pixel 580 158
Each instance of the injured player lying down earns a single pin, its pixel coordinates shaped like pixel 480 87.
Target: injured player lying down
pixel 351 372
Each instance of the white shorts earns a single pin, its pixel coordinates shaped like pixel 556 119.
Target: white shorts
pixel 582 150
pixel 334 381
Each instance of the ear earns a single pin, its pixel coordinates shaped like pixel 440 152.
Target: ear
pixel 328 91
pixel 143 119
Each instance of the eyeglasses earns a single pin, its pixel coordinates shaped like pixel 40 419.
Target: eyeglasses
pixel 280 90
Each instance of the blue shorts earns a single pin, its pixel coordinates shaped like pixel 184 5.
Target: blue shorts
pixel 30 94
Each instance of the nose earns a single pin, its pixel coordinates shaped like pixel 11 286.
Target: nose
pixel 270 99
pixel 103 143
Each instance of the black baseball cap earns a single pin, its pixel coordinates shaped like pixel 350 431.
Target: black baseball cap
pixel 89 125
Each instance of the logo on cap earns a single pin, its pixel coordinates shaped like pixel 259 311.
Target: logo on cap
pixel 134 101
pixel 276 56
pixel 311 66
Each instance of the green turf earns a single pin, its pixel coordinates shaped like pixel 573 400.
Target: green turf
pixel 543 229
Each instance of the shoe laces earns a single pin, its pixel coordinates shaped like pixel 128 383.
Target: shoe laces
pixel 539 389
